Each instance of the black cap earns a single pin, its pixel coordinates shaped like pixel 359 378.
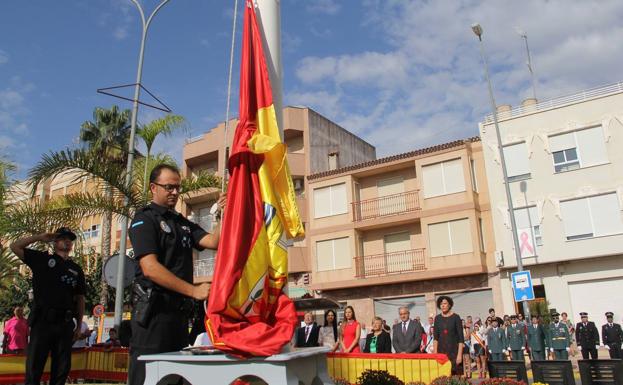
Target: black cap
pixel 65 232
pixel 583 314
pixel 513 316
pixel 555 314
pixel 609 314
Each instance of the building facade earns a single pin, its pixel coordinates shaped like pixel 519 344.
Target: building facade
pixel 401 230
pixel 315 144
pixel 565 169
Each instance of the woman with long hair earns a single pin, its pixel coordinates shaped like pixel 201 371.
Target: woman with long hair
pixel 351 332
pixel 328 336
pixel 449 338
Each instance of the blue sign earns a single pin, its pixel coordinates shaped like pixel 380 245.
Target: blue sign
pixel 522 286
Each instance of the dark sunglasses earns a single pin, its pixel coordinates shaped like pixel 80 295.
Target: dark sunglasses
pixel 169 187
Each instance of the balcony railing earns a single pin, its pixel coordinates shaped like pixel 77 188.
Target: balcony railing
pixel 389 263
pixel 387 205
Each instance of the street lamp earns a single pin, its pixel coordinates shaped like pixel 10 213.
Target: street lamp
pixel 128 177
pixel 511 211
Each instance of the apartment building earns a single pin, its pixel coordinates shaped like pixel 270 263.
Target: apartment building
pixel 565 169
pixel 401 230
pixel 315 144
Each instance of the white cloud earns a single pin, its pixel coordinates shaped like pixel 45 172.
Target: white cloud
pixel 14 110
pixel 426 85
pixel 328 7
pixel 4 57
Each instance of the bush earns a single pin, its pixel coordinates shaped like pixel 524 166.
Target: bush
pixel 502 381
pixel 454 380
pixel 415 383
pixel 341 381
pixel 378 377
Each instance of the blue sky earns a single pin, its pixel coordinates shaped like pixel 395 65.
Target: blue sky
pixel 401 74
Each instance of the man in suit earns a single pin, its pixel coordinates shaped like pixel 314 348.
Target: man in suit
pixel 496 341
pixel 587 337
pixel 516 339
pixel 536 340
pixel 407 334
pixel 612 336
pixel 307 335
pixel 558 338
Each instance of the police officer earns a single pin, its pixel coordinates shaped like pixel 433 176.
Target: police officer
pixel 558 338
pixel 612 336
pixel 496 341
pixel 536 340
pixel 587 337
pixel 162 240
pixel 58 287
pixel 516 339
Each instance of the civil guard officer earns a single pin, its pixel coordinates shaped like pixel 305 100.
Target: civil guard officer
pixel 163 240
pixel 58 287
pixel 558 338
pixel 536 340
pixel 587 337
pixel 516 339
pixel 612 336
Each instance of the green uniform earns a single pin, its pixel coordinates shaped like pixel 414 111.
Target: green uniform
pixel 516 341
pixel 496 343
pixel 536 342
pixel 558 340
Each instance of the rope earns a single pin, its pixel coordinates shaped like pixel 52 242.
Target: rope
pixel 231 65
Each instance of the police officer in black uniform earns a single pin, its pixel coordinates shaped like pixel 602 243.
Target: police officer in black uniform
pixel 587 337
pixel 162 240
pixel 612 336
pixel 59 288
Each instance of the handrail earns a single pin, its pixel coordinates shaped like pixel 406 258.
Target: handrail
pixel 393 204
pixel 397 262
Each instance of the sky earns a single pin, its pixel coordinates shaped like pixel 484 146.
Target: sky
pixel 401 74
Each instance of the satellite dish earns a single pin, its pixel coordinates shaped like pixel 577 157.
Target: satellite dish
pixel 110 270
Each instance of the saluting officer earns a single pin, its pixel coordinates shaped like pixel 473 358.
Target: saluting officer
pixel 536 340
pixel 587 337
pixel 163 240
pixel 612 336
pixel 516 339
pixel 558 338
pixel 496 341
pixel 58 287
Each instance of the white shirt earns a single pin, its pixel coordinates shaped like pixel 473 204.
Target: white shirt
pixel 81 343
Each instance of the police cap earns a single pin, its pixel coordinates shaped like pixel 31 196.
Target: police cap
pixel 555 314
pixel 583 314
pixel 609 314
pixel 65 232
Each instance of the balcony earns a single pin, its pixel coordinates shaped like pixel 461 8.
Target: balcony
pixel 397 262
pixel 387 205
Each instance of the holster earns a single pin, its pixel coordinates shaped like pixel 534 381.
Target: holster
pixel 143 299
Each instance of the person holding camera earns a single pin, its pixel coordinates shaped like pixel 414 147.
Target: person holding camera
pixel 58 306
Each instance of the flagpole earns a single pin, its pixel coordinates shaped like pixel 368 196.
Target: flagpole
pixel 269 17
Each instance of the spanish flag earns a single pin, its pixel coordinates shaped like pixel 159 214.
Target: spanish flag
pixel 248 313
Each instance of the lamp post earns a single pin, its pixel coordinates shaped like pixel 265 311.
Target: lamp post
pixel 511 211
pixel 128 178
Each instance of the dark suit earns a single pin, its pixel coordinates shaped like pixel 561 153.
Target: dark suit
pixel 587 337
pixel 312 340
pixel 410 341
pixel 612 337
pixel 383 343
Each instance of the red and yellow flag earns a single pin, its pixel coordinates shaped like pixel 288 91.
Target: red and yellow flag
pixel 248 313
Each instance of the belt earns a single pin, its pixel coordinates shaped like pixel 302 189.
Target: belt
pixel 173 303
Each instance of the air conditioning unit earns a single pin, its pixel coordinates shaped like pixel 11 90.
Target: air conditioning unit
pixel 499 258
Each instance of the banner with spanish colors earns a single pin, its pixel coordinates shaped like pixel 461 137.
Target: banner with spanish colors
pixel 248 313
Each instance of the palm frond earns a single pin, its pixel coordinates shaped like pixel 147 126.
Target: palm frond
pixel 9 267
pixel 165 126
pixel 199 181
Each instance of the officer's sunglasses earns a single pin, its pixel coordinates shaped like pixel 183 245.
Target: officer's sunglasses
pixel 169 187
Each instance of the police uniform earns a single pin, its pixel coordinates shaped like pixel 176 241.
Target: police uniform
pixel 516 340
pixel 536 342
pixel 612 336
pixel 163 327
pixel 496 343
pixel 587 338
pixel 55 282
pixel 559 339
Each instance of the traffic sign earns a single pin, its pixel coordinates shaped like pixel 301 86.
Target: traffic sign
pixel 522 286
pixel 98 310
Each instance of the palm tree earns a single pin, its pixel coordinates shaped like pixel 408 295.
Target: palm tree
pixel 150 131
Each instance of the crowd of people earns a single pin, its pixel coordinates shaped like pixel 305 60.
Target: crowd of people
pixel 468 342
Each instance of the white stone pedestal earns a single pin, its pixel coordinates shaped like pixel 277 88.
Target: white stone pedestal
pixel 305 366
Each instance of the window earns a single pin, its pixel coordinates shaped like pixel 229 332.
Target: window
pixel 526 218
pixel 91 232
pixel 472 164
pixel 333 254
pixel 578 149
pixel 330 201
pixel 449 238
pixel 396 259
pixel 393 189
pixel 517 163
pixel 481 234
pixel 443 178
pixel 592 216
pixel 334 163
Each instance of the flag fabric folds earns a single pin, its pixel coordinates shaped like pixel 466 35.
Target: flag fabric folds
pixel 248 313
